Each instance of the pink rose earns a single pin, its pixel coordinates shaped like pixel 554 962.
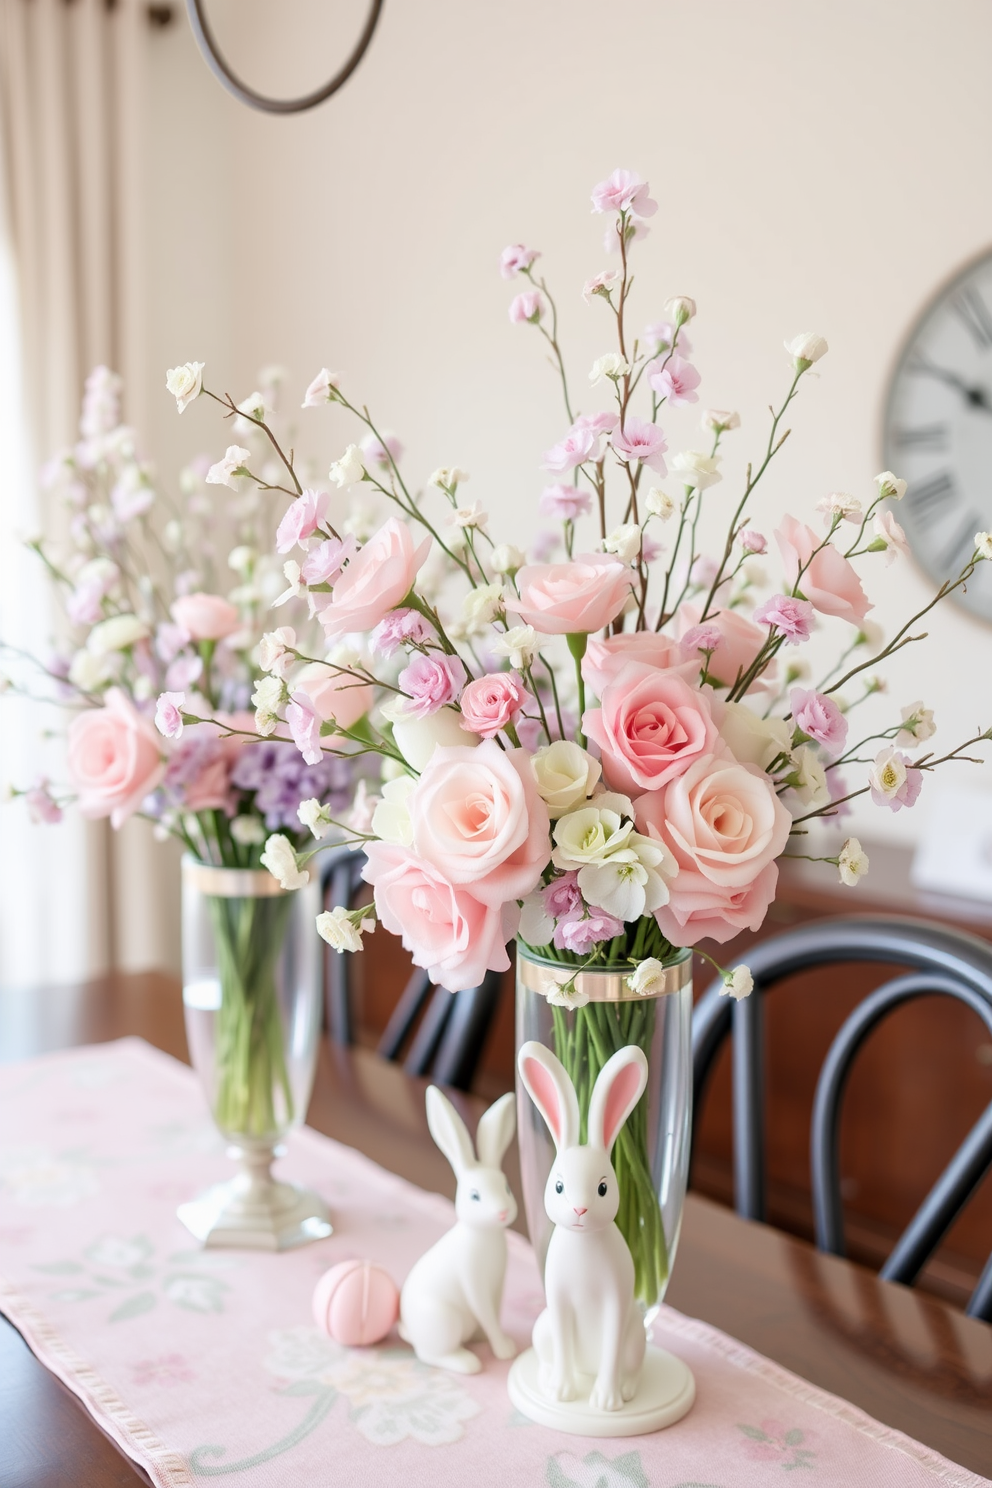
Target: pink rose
pixel 752 541
pixel 443 926
pixel 640 440
pixel 604 660
pixel 725 826
pixel 377 580
pixel 334 695
pixel 623 191
pixel 113 758
pixel 301 520
pixel 431 682
pixel 741 640
pixel 489 703
pixel 829 581
pixel 571 598
pixel 651 727
pixel 205 617
pixel 477 817
pixel 820 718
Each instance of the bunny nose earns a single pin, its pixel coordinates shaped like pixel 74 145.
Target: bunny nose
pixel 580 1212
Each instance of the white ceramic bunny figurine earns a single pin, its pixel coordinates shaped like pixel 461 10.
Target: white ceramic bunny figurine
pixel 454 1292
pixel 592 1326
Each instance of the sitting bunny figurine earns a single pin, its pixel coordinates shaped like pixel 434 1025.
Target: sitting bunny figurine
pixel 454 1292
pixel 591 1325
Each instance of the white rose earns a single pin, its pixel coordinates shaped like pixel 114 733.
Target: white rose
pixel 753 740
pixel 506 559
pixel 417 738
pixel 185 383
pixel 611 365
pixel 280 859
pixel 890 487
pixel 680 309
pixel 696 469
pixel 805 349
pixel 566 775
pixel 391 817
pixel 481 606
pixel 116 634
pixel 647 978
pixel 349 470
pixel 624 540
pixel 852 861
pixel 659 504
pixel 315 817
pixel 808 777
pixel 342 928
pixel 519 645
pixel 593 833
pixel 228 470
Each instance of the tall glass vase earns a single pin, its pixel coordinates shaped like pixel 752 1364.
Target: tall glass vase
pixel 651 1156
pixel 252 999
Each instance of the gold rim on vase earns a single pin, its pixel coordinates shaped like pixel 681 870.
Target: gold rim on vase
pixel 601 985
pixel 231 883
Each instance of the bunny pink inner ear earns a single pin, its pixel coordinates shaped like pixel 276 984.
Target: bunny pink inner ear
pixel 619 1100
pixel 546 1092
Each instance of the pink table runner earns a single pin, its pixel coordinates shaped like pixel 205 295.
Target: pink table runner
pixel 205 1365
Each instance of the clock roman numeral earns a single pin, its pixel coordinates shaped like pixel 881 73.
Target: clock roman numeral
pixel 961 546
pixel 973 311
pixel 924 436
pixel 928 498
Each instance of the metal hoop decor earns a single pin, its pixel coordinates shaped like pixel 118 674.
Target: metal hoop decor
pixel 215 60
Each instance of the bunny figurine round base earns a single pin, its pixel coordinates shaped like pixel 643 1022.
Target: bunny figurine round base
pixel 591 1371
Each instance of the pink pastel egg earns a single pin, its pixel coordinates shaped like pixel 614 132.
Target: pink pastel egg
pixel 356 1303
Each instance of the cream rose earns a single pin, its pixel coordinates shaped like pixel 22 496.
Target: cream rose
pixel 566 775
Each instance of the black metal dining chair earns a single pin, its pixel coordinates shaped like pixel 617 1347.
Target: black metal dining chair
pixel 447 1042
pixel 938 961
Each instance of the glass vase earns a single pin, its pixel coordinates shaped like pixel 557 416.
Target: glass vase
pixel 252 999
pixel 651 1155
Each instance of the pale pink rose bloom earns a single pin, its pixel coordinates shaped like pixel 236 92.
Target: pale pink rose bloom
pixel 676 382
pixel 304 725
pixel 793 617
pixel 564 502
pixel 752 541
pixel 571 598
pixel 324 562
pixel 431 682
pixel 113 758
pixel 598 283
pixel 400 628
pixel 527 307
pixel 829 582
pixel 446 930
pixel 641 440
pixel 301 520
pixel 169 714
pixel 579 445
pixel 820 718
pixel 42 809
pixel 489 703
pixel 334 695
pixel 478 818
pixel 725 826
pixel 741 640
pixel 605 660
pixel 183 671
pixel 383 452
pixel 205 617
pixel 376 580
pixel 650 728
pixel 515 259
pixel 623 191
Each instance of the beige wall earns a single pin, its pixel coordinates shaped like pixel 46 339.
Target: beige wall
pixel 817 167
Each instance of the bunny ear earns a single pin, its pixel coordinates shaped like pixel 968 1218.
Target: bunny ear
pixel 449 1131
pixel 495 1130
pixel 552 1092
pixel 617 1090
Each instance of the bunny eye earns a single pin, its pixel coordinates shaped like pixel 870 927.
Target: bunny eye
pixel 474 1195
pixel 601 1190
pixel 559 1187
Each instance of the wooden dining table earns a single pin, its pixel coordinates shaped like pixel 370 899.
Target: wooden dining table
pixel 906 1358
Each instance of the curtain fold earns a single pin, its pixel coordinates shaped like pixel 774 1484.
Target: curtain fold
pixel 75 899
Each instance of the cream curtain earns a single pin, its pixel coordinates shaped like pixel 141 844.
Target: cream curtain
pixel 75 899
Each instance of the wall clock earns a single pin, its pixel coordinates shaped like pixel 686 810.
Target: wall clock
pixel 938 431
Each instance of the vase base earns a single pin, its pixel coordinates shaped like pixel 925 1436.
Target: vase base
pixel 665 1394
pixel 275 1217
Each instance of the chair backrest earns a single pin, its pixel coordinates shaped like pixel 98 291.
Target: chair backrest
pixel 938 961
pixel 448 1042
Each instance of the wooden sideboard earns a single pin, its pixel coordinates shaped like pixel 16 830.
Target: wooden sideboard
pixel 921 1081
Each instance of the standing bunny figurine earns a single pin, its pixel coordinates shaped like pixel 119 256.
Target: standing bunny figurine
pixel 454 1292
pixel 584 1373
